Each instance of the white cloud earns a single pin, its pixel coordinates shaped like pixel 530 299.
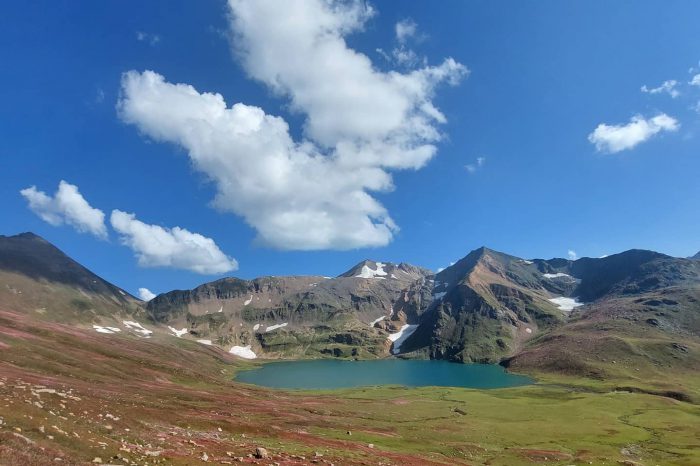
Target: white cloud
pixel 668 87
pixel 572 254
pixel 67 206
pixel 405 29
pixel 145 294
pixel 616 138
pixel 695 81
pixel 155 246
pixel 402 55
pixel 473 167
pixel 360 123
pixel 147 37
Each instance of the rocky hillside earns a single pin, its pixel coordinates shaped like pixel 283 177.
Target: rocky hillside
pixel 549 315
pixel 352 314
pixel 489 305
pixel 37 277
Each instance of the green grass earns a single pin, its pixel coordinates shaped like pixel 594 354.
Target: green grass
pixel 177 388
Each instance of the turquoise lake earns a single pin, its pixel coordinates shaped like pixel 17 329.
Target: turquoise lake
pixel 331 374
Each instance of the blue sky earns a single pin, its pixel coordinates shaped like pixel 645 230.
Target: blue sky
pixel 542 77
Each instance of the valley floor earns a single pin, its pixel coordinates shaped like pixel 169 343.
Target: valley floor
pixel 69 396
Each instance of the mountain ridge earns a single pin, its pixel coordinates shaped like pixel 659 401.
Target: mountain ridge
pixel 488 306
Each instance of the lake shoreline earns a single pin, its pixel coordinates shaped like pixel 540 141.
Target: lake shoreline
pixel 329 374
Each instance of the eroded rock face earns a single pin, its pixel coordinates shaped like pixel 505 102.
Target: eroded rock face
pixel 346 316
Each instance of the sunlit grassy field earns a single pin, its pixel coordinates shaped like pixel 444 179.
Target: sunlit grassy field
pixel 127 400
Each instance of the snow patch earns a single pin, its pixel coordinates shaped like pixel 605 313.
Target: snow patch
pixel 138 328
pixel 178 333
pixel 205 342
pixel 371 324
pixel 101 329
pixel 243 352
pixel 248 301
pixel 122 293
pixel 438 296
pixel 275 327
pixel 557 275
pixel 256 327
pixel 566 304
pixel 369 273
pixel 221 309
pixel 399 337
pixel 528 330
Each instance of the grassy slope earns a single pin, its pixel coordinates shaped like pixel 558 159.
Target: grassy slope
pixel 172 396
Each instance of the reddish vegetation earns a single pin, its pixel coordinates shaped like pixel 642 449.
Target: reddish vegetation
pixel 151 400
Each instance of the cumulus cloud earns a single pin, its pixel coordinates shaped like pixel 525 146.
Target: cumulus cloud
pixel 667 87
pixel 146 295
pixel 155 246
pixel 473 167
pixel 405 29
pixel 360 124
pixel 616 138
pixel 67 206
pixel 695 81
pixel 572 254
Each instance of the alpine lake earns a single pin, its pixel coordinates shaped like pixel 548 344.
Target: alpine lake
pixel 333 374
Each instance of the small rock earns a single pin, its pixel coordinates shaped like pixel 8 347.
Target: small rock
pixel 97 460
pixel 204 457
pixel 371 445
pixel 261 453
pixel 349 433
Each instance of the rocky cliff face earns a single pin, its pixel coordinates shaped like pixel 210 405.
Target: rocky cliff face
pixel 349 315
pixel 486 306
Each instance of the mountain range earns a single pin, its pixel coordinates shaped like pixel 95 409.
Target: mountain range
pixel 638 308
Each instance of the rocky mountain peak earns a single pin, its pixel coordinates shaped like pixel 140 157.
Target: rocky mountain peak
pixel 371 269
pixel 31 255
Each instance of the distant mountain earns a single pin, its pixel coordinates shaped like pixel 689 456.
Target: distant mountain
pixel 589 316
pixel 486 306
pixel 489 304
pixel 696 256
pixel 349 315
pixel 38 277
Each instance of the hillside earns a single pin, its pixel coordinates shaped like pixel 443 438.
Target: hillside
pixel 619 372
pixel 303 316
pixel 638 308
pixel 36 277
